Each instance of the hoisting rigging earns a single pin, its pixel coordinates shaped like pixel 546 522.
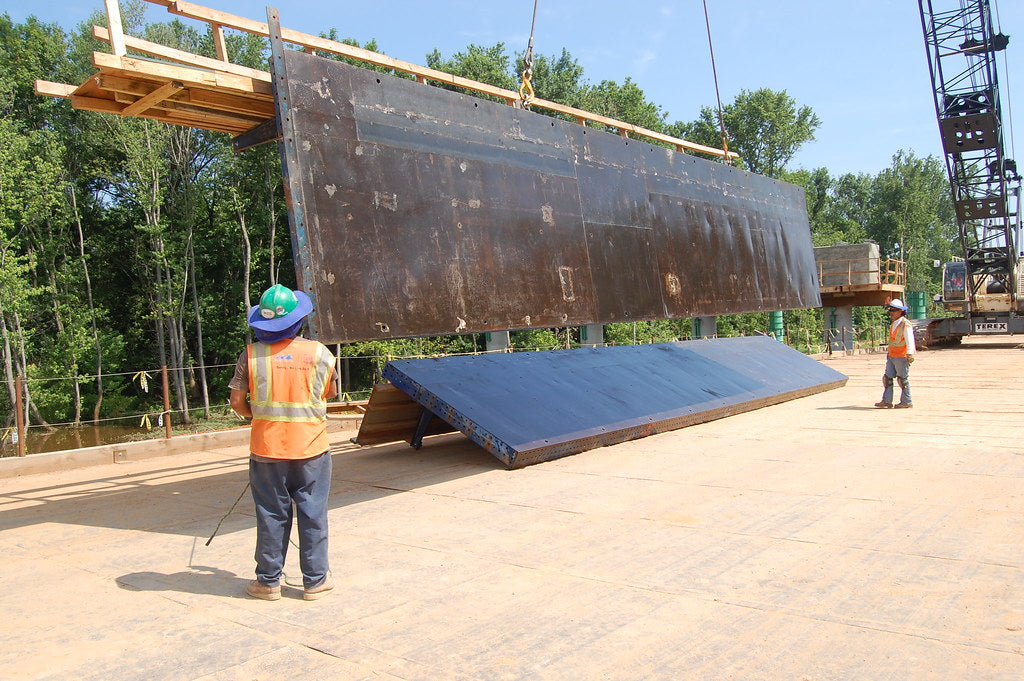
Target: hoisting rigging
pixel 526 92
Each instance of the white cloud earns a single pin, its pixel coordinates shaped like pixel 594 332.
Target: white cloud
pixel 643 58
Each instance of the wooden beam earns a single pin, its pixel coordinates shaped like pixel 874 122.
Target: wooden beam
pixel 153 98
pixel 225 76
pixel 206 114
pixel 198 12
pixel 116 31
pixel 190 76
pixel 182 57
pixel 110 106
pixel 212 99
pixel 422 73
pixel 51 89
pixel 189 112
pixel 223 101
pixel 218 42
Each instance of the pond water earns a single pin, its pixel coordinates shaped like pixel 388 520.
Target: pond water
pixel 38 441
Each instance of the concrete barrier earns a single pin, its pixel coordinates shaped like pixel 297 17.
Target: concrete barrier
pixel 48 462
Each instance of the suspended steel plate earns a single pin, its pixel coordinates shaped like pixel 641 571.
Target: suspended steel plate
pixel 419 211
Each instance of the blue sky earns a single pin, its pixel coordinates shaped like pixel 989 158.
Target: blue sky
pixel 859 64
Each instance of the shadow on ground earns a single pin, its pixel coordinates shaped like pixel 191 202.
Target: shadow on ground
pixel 173 499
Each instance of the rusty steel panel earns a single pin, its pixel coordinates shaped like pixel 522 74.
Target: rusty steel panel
pixel 419 211
pixel 528 407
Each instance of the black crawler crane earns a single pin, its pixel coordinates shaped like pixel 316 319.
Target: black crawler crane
pixel 983 288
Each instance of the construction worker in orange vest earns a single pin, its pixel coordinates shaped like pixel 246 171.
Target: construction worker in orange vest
pixel 899 358
pixel 283 383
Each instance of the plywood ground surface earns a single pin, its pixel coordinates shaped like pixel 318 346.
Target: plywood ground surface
pixel 811 540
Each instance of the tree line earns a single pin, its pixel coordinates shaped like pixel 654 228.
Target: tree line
pixel 127 244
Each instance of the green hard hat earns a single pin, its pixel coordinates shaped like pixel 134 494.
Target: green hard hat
pixel 277 301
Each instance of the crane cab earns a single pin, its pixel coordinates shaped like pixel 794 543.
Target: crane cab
pixel 954 286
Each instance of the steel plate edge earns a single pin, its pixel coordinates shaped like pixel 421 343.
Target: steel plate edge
pixel 446 412
pixel 293 195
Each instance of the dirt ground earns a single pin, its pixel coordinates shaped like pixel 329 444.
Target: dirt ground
pixel 819 539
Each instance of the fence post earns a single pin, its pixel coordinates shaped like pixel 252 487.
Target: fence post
pixel 167 402
pixel 20 415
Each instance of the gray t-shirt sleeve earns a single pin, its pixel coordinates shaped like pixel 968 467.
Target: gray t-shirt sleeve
pixel 240 380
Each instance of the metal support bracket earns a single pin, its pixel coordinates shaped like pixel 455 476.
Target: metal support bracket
pixel 421 428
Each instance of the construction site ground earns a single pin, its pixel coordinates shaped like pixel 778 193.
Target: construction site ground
pixel 819 539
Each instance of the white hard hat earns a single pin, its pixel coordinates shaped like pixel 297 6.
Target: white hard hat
pixel 898 304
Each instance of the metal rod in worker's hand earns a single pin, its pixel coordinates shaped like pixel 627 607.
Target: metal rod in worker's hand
pixel 217 529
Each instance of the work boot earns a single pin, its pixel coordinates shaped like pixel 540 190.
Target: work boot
pixel 319 591
pixel 883 405
pixel 258 589
pixel 904 405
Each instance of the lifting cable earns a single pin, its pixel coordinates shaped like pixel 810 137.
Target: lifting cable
pixel 526 88
pixel 714 73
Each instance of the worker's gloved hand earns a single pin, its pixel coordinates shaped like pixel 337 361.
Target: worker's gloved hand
pixel 910 359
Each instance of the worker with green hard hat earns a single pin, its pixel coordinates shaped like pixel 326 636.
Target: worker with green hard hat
pixel 282 382
pixel 899 356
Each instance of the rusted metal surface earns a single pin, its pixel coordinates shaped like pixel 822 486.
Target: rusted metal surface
pixel 535 406
pixel 419 211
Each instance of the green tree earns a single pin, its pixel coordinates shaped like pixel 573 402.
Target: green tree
pixel 625 102
pixel 765 127
pixel 491 65
pixel 29 194
pixel 912 217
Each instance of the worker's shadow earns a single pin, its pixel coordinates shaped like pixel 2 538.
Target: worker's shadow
pixel 200 579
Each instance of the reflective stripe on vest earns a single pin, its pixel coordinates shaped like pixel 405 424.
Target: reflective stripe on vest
pixel 263 377
pixel 898 339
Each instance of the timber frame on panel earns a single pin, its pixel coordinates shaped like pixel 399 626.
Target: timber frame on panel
pixel 148 80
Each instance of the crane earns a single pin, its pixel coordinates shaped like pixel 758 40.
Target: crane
pixel 983 287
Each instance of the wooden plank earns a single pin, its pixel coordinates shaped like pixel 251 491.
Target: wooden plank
pixel 182 57
pixel 252 109
pixel 51 89
pixel 218 42
pixel 392 416
pixel 222 101
pixel 201 113
pixel 110 106
pixel 132 66
pixel 193 11
pixel 197 114
pixel 219 78
pixel 158 95
pixel 116 31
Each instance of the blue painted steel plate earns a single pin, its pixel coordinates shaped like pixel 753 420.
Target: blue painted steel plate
pixel 534 406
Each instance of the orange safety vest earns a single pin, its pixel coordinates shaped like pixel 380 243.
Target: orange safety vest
pixel 287 383
pixel 898 338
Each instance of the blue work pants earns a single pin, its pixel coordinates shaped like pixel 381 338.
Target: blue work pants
pixel 275 486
